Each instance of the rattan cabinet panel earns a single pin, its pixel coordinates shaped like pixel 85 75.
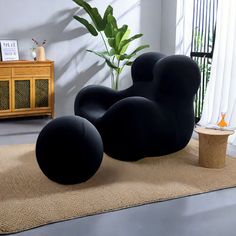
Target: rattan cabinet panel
pixel 26 88
pixel 4 95
pixel 22 94
pixel 41 92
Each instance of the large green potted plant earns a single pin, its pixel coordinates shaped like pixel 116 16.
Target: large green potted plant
pixel 116 40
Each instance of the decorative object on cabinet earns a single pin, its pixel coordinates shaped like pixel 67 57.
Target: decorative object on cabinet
pixel 9 50
pixel 33 53
pixel 26 88
pixel 40 54
pixel 40 50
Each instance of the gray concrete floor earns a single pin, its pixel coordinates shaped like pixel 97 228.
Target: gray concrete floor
pixel 210 214
pixel 21 130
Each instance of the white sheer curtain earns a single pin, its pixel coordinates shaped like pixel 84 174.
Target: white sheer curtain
pixel 184 19
pixel 221 90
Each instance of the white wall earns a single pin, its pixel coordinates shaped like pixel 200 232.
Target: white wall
pixel 168 26
pixel 150 23
pixel 67 41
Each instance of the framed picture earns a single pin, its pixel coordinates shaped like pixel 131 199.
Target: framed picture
pixel 9 50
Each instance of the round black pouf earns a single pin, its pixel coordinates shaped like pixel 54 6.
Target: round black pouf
pixel 69 150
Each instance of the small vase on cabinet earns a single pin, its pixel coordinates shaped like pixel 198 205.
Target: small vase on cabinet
pixel 40 53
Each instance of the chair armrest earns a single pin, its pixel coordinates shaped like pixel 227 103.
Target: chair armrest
pixel 138 109
pixel 93 101
pixel 136 127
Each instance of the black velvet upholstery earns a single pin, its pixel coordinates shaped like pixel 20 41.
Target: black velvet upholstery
pixel 154 116
pixel 69 150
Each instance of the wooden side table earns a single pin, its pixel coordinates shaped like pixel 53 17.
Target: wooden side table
pixel 212 147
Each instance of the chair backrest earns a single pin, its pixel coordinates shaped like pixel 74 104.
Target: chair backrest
pixel 142 68
pixel 159 77
pixel 177 77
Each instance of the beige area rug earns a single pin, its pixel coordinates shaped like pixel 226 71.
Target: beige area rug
pixel 28 199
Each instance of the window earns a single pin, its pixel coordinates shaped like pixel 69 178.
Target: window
pixel 202 45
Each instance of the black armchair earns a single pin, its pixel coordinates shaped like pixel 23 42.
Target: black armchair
pixel 151 118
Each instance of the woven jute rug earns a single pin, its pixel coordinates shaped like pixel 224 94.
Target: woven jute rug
pixel 28 199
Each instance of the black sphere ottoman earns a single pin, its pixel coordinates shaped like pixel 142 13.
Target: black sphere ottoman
pixel 69 150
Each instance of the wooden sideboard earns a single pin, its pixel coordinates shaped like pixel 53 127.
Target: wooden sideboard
pixel 26 88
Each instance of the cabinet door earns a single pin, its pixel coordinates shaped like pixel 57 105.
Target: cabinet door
pixel 41 93
pixel 5 98
pixel 22 94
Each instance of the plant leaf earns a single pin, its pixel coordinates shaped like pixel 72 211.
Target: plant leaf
pixel 139 49
pixel 93 13
pixel 104 56
pixel 125 56
pixel 117 40
pixel 123 49
pixel 111 27
pixel 112 52
pixel 119 36
pixel 112 20
pixel 130 63
pixel 114 34
pixel 126 34
pixel 127 41
pixel 112 43
pixel 108 31
pixel 89 27
pixel 109 11
pixel 123 31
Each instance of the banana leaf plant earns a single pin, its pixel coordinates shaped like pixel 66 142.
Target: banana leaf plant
pixel 116 39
